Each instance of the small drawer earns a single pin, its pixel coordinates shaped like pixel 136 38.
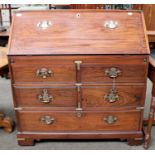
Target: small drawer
pixel 45 96
pixel 47 121
pixel 121 96
pixel 43 69
pixel 131 69
pixel 101 73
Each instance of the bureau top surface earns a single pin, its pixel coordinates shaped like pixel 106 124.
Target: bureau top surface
pixel 78 32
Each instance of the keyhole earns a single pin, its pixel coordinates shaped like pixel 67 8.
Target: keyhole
pixel 78 15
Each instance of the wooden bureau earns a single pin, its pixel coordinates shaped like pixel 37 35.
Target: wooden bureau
pixel 78 74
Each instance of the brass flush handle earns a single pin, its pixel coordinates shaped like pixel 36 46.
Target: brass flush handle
pixel 47 120
pixel 111 24
pixel 44 24
pixel 78 64
pixel 79 110
pixel 112 72
pixel 79 105
pixel 110 119
pixel 45 97
pixel 112 96
pixel 44 73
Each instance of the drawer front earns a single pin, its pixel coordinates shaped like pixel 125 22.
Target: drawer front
pixel 78 32
pixel 85 69
pixel 46 96
pixel 44 73
pixel 104 73
pixel 43 69
pixel 105 96
pixel 47 121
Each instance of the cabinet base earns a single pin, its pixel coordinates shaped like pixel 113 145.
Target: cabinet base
pixel 28 139
pixel 135 142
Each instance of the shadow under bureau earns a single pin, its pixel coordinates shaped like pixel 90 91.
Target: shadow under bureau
pixel 78 74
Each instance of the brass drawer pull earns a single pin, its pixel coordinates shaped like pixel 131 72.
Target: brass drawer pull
pixel 45 97
pixel 47 120
pixel 112 72
pixel 44 24
pixel 44 73
pixel 112 96
pixel 110 119
pixel 111 24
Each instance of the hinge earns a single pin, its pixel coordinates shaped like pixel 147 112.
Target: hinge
pixel 78 85
pixel 18 108
pixel 138 138
pixel 139 108
pixel 21 139
pixel 78 64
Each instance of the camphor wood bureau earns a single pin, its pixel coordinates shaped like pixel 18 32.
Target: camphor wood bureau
pixel 78 74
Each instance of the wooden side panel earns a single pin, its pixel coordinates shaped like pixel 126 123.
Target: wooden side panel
pixel 149 12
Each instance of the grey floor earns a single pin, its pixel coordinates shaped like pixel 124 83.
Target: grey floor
pixel 8 141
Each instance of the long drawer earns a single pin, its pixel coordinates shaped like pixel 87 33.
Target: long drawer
pixel 91 69
pixel 91 96
pixel 50 121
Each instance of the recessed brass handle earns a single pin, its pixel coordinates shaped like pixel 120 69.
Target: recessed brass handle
pixel 79 106
pixel 78 64
pixel 112 96
pixel 112 72
pixel 79 110
pixel 44 73
pixel 44 24
pixel 47 120
pixel 45 97
pixel 111 24
pixel 110 119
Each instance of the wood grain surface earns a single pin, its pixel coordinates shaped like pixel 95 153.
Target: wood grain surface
pixel 86 34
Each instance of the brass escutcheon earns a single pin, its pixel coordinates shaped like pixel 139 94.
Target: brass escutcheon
pixel 112 96
pixel 47 120
pixel 44 73
pixel 44 24
pixel 45 97
pixel 111 24
pixel 110 119
pixel 112 72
